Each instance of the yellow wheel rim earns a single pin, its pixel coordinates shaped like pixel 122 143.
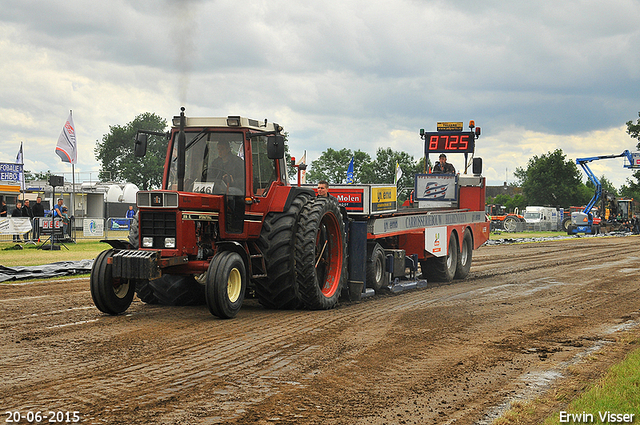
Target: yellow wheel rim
pixel 120 287
pixel 234 285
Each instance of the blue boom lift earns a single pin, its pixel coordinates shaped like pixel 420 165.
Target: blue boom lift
pixel 582 222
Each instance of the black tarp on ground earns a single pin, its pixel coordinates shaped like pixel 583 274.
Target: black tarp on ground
pixel 61 268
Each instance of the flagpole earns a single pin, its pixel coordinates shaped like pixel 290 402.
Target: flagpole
pixel 22 184
pixel 22 174
pixel 20 160
pixel 22 178
pixel 67 150
pixel 72 207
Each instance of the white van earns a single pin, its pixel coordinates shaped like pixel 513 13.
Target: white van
pixel 541 215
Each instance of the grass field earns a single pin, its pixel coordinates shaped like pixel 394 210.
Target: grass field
pixel 614 398
pixel 514 235
pixel 30 255
pixel 618 394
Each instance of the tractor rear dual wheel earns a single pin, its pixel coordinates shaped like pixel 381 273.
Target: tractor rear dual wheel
pixel 173 290
pixel 278 290
pixel 145 292
pixel 320 254
pixel 134 232
pixel 510 223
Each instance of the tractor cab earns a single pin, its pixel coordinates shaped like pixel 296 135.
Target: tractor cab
pixel 221 168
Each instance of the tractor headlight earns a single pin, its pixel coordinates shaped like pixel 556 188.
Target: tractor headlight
pixel 147 242
pixel 169 242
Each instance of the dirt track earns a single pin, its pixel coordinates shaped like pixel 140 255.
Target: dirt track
pixel 445 354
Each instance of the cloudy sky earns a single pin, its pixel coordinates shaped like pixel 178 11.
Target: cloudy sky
pixel 535 76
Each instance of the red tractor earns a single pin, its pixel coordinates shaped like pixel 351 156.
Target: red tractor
pixel 227 224
pixel 501 219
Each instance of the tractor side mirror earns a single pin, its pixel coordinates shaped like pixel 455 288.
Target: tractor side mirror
pixel 275 146
pixel 477 166
pixel 140 148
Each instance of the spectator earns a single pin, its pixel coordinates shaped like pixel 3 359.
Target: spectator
pixel 57 210
pixel 27 213
pixel 38 211
pixel 38 208
pixel 442 166
pixel 65 221
pixel 323 189
pixel 3 210
pixel 131 212
pixel 17 212
pixel 57 213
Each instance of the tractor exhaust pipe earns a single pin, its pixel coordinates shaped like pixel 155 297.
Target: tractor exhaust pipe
pixel 181 148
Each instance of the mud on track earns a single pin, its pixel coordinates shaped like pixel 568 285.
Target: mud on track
pixel 451 353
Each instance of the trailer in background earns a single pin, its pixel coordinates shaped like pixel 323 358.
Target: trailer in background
pixel 542 218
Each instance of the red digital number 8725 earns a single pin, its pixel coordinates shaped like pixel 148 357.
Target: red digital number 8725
pixel 433 143
pixel 464 142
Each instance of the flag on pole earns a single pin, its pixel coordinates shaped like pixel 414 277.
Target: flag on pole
pixel 350 172
pixel 398 173
pixel 19 158
pixel 303 173
pixel 66 148
pixel 20 161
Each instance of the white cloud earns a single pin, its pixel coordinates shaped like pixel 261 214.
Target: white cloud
pixel 536 76
pixel 514 147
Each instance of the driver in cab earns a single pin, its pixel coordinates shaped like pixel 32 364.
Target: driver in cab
pixel 227 167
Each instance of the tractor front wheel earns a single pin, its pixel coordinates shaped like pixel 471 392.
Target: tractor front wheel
pixel 226 284
pixel 111 295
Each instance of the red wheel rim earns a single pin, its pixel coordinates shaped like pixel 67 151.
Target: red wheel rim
pixel 330 255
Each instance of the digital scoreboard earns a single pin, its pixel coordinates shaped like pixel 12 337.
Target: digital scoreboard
pixel 449 142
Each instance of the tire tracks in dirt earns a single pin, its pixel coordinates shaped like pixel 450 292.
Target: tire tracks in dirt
pixel 448 353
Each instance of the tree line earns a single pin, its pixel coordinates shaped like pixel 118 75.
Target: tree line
pixel 552 179
pixel 549 179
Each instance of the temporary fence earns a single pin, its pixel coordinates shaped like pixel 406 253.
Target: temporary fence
pixel 522 226
pixel 104 228
pixel 41 228
pixel 14 228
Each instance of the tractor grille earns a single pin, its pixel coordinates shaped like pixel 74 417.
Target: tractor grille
pixel 158 225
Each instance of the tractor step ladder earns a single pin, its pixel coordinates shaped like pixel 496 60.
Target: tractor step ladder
pixel 258 268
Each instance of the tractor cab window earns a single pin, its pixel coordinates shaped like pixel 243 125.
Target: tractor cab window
pixel 214 163
pixel 264 169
